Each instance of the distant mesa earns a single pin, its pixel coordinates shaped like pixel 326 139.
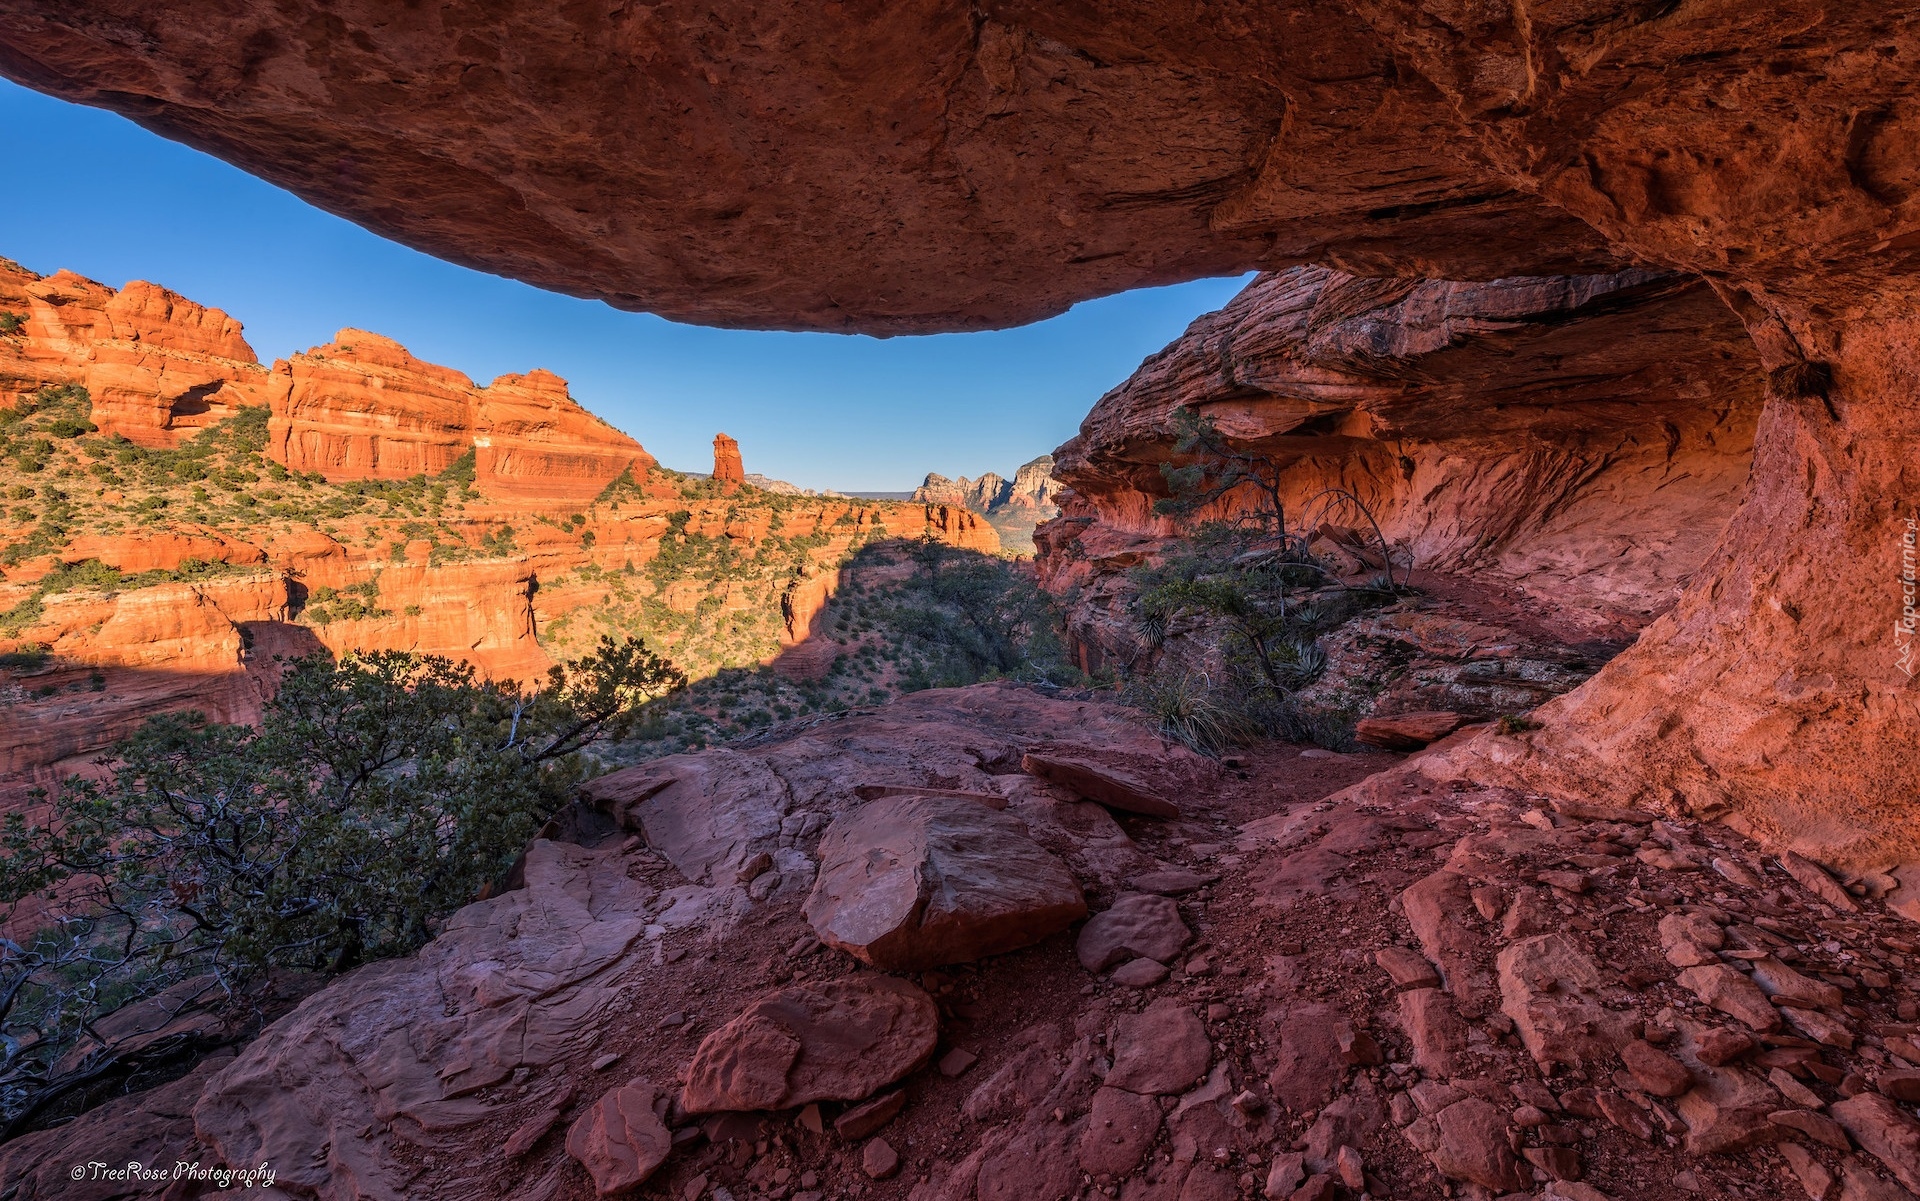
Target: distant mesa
pixel 1032 487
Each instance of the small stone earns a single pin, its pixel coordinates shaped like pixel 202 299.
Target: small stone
pixel 1357 1046
pixel 1721 1046
pixel 1902 1085
pixel 1248 1102
pixel 1818 1127
pixel 1820 1027
pixel 1560 1163
pixel 619 1140
pixel 1732 994
pixel 1793 1090
pixel 879 1160
pixel 1139 973
pixel 1106 785
pixel 1287 1172
pixel 869 1116
pixel 1318 1187
pixel 1162 1050
pixel 956 1061
pixel 1625 1115
pixel 1136 925
pixel 1654 1070
pixel 1815 880
pixel 1807 1171
pixel 1348 1166
pixel 1407 969
pixel 605 1061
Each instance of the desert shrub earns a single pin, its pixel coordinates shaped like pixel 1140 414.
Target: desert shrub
pixel 12 323
pixel 379 793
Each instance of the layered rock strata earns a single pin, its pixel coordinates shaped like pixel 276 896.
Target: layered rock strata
pixel 946 166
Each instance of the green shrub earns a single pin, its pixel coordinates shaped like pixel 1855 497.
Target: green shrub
pixel 378 794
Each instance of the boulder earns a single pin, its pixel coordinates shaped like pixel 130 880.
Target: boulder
pixel 913 882
pixel 1111 786
pixel 840 1040
pixel 1137 926
pixel 620 1140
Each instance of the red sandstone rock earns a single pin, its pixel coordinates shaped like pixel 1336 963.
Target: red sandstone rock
pixel 1136 925
pixel 912 882
pixel 1163 1050
pixel 1732 994
pixel 362 407
pixel 1656 1071
pixel 1551 991
pixel 1111 786
pixel 1884 1131
pixel 619 1140
pixel 727 471
pixel 1120 1127
pixel 158 366
pixel 1406 731
pixel 837 1041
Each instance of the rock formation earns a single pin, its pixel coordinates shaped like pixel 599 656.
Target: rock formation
pixel 1013 507
pixel 727 471
pixel 159 366
pixel 1317 983
pixel 1032 487
pixel 1766 150
pixel 362 407
pixel 560 509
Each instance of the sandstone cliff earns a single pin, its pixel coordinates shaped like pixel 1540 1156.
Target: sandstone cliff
pixel 159 366
pixel 351 498
pixel 1767 149
pixel 362 407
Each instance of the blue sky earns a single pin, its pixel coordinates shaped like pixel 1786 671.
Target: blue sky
pixel 94 193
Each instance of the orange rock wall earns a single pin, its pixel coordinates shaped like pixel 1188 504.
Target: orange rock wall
pixel 159 366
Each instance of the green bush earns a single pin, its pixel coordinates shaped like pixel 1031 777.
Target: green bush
pixel 378 794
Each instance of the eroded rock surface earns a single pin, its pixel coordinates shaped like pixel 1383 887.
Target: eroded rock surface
pixel 913 882
pixel 1311 1036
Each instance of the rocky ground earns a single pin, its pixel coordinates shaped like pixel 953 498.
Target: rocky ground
pixel 847 959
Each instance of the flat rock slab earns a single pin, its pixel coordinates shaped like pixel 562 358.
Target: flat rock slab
pixel 1162 1050
pixel 620 1140
pixel 1137 926
pixel 1407 731
pixel 1111 786
pixel 1550 988
pixel 1886 1132
pixel 1120 1127
pixel 1732 994
pixel 841 1040
pixel 913 882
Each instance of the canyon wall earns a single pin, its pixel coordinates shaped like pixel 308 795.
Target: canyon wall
pixel 950 166
pixel 362 407
pixel 159 366
pixel 1584 439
